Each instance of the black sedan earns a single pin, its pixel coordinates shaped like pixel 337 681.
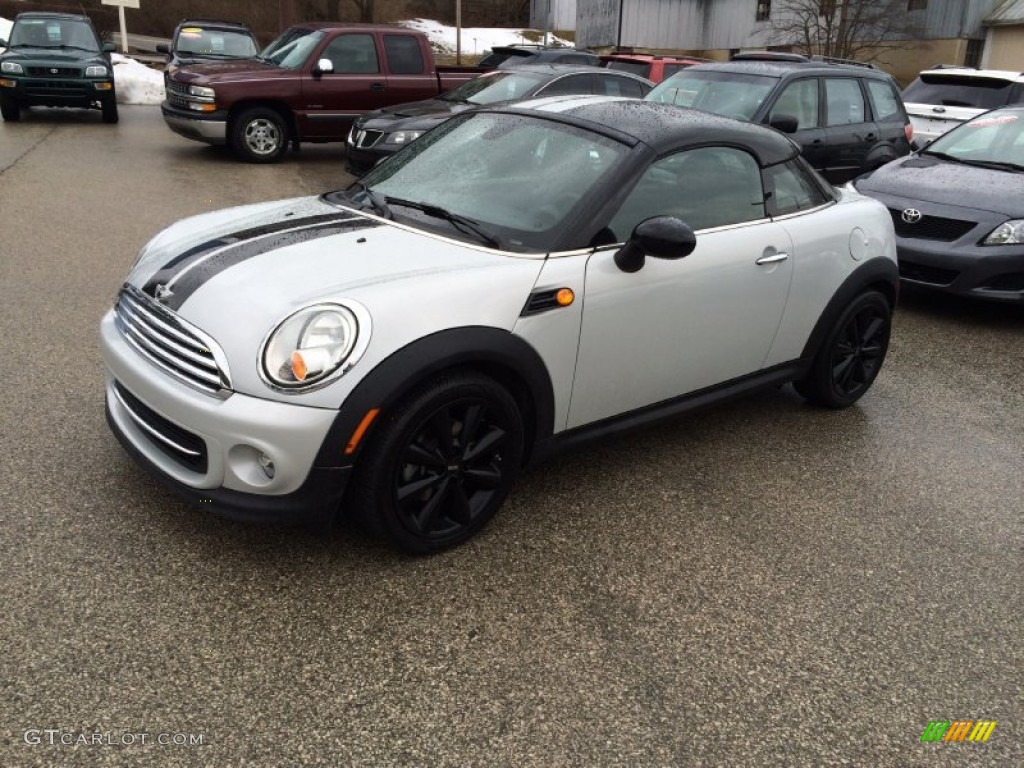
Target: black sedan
pixel 958 208
pixel 385 131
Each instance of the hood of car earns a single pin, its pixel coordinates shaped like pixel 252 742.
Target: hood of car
pixel 237 274
pixel 419 114
pixel 50 57
pixel 211 73
pixel 933 180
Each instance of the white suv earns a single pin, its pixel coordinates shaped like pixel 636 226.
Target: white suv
pixel 942 98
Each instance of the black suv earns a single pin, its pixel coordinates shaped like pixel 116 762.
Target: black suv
pixel 508 56
pixel 847 117
pixel 205 40
pixel 56 60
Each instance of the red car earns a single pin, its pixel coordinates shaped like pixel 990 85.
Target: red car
pixel 655 68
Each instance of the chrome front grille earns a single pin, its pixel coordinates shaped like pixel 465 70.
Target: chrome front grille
pixel 170 343
pixel 364 139
pixel 54 72
pixel 186 448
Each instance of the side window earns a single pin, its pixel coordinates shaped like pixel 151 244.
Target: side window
pixel 799 100
pixel 791 188
pixel 845 101
pixel 404 54
pixel 567 86
pixel 612 85
pixel 352 54
pixel 885 103
pixel 671 69
pixel 706 187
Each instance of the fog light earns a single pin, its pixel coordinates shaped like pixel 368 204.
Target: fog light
pixel 266 464
pixel 8 83
pixel 103 86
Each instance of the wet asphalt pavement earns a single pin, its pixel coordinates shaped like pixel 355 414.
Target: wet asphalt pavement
pixel 763 584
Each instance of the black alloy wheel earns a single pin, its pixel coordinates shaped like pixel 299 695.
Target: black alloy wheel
pixel 852 354
pixel 443 464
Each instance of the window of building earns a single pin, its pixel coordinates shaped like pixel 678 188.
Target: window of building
pixel 917 5
pixel 764 10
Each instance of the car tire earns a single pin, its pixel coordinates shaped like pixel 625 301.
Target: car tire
pixel 852 354
pixel 109 107
pixel 259 135
pixel 10 109
pixel 441 464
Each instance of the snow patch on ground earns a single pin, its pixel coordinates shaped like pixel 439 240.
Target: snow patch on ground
pixel 136 83
pixel 475 40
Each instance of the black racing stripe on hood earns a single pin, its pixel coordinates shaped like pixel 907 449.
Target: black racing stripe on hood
pixel 183 260
pixel 193 279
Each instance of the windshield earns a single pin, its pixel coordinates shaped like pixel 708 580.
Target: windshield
pixel 953 91
pixel 220 43
pixel 292 48
pixel 496 87
pixel 995 137
pixel 640 68
pixel 725 93
pixel 54 33
pixel 520 178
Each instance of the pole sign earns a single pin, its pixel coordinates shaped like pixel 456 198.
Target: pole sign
pixel 121 5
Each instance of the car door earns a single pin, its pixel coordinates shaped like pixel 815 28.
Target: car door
pixel 800 99
pixel 332 101
pixel 408 78
pixel 849 132
pixel 675 327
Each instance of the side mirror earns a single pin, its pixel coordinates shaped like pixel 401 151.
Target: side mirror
pixel 323 67
pixel 663 237
pixel 3 43
pixel 109 48
pixel 163 48
pixel 784 123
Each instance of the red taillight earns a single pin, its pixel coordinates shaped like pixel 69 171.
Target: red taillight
pixel 908 131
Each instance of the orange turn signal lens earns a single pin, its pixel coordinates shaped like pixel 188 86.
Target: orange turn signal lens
pixel 565 297
pixel 299 370
pixel 357 436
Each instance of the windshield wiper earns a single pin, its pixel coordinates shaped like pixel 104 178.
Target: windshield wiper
pixel 941 156
pixel 998 165
pixel 459 222
pixel 376 200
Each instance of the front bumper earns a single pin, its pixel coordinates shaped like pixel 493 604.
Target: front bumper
pixel 360 160
pixel 961 266
pixel 230 433
pixel 77 93
pixel 211 127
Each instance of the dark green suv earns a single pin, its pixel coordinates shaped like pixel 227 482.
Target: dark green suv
pixel 56 60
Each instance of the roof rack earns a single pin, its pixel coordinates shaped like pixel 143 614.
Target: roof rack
pixel 951 66
pixel 844 62
pixel 767 56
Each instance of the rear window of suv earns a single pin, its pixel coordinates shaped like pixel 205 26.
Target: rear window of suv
pixel 959 91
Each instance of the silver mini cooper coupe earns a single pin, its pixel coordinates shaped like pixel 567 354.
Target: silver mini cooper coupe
pixel 515 281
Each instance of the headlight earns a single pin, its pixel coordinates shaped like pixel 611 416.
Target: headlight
pixel 96 72
pixel 201 92
pixel 1008 233
pixel 311 345
pixel 12 67
pixel 404 137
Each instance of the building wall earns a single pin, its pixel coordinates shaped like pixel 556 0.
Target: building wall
pixel 1004 48
pixel 561 14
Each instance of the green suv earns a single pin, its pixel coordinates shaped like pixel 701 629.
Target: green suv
pixel 56 60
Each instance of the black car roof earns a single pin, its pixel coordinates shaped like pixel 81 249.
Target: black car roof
pixel 661 126
pixel 216 23
pixel 780 69
pixel 568 69
pixel 48 15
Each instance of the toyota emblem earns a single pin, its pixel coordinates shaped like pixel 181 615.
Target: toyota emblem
pixel 54 71
pixel 911 215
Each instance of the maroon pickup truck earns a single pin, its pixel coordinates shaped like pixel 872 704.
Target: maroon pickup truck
pixel 310 84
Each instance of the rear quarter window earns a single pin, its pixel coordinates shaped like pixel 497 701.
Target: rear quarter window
pixel 404 54
pixel 885 102
pixel 791 187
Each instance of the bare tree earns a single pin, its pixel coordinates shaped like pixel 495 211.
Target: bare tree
pixel 846 29
pixel 364 7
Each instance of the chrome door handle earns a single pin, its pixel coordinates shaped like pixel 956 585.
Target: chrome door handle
pixel 773 259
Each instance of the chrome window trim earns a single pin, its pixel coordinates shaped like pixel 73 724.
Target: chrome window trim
pixel 139 422
pixel 364 330
pixel 805 211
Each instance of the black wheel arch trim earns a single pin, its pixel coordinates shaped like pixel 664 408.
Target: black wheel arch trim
pixel 491 350
pixel 878 273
